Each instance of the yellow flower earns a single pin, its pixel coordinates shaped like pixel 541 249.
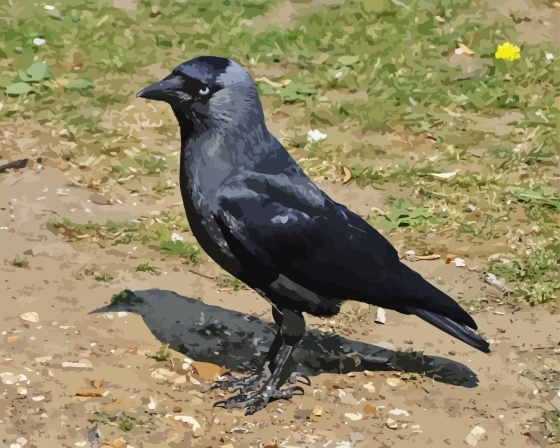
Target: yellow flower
pixel 508 52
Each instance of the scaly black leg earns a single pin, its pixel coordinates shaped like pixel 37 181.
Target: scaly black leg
pixel 291 332
pixel 256 380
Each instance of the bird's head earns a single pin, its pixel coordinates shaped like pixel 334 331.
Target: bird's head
pixel 208 91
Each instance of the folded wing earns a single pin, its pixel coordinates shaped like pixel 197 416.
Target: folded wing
pixel 277 224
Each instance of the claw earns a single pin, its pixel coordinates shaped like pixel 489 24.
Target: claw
pixel 220 404
pixel 294 380
pixel 297 389
pixel 244 384
pixel 286 394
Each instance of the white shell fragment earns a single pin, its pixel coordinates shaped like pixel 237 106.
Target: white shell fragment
pixel 380 318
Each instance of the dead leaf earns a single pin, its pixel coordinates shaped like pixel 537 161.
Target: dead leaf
pixel 449 258
pixel 225 289
pixel 443 176
pixel 117 443
pixel 177 408
pixel 206 370
pixel 347 175
pixel 89 392
pixel 428 257
pixel 316 413
pixel 466 50
pixel 96 384
pixel 282 83
pixel 393 382
pixel 369 409
pixel 13 337
pixel 68 66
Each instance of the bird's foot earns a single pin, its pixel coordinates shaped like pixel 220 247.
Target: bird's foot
pixel 294 378
pixel 258 400
pixel 248 384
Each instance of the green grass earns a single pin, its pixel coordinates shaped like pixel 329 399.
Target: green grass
pixel 102 276
pixel 163 353
pixel 225 280
pixel 535 277
pixel 145 267
pixel 135 421
pixel 97 273
pixel 553 420
pixel 381 79
pixel 146 231
pixel 20 262
pixel 126 298
pixel 190 252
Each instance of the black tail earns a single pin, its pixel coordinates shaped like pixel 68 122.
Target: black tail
pixel 459 331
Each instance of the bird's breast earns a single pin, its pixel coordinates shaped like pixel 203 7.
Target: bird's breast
pixel 201 211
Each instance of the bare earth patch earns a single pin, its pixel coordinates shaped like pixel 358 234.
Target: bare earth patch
pixel 73 377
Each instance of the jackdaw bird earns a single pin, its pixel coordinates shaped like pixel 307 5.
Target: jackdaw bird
pixel 255 213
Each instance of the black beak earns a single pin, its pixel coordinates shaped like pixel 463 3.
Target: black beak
pixel 168 90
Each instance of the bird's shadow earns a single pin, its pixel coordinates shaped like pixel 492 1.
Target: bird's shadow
pixel 239 341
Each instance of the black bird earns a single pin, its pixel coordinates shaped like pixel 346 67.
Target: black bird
pixel 255 212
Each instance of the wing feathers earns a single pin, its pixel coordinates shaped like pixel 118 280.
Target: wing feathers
pixel 287 227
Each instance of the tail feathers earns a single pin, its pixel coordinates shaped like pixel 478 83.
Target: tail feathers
pixel 459 331
pixel 420 294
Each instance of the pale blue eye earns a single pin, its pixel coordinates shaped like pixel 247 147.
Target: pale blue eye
pixel 204 91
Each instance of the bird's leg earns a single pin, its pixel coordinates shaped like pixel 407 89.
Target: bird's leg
pixel 255 381
pixel 291 332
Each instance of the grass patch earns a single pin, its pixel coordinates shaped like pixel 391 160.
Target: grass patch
pixel 404 213
pixel 20 262
pixel 124 298
pixel 146 231
pixel 225 280
pixel 536 277
pixel 553 420
pixel 190 252
pixel 383 81
pixel 136 421
pixel 102 277
pixel 163 353
pixel 145 267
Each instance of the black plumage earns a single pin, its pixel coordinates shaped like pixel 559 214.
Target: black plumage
pixel 257 214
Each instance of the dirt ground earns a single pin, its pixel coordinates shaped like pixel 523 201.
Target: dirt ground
pixel 53 350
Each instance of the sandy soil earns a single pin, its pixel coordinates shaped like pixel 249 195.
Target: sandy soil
pixel 51 349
